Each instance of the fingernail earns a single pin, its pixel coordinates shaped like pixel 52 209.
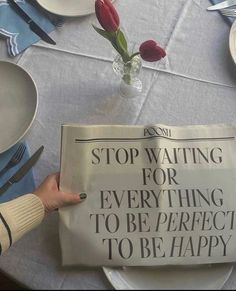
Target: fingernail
pixel 83 196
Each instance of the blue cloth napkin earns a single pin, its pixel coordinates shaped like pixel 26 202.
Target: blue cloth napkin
pixel 17 31
pixel 230 20
pixel 25 185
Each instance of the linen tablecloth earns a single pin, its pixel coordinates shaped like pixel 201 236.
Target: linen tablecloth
pixel 194 84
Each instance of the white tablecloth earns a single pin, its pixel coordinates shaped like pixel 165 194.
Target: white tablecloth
pixel 194 84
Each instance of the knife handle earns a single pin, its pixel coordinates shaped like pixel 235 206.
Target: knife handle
pixel 5 187
pixel 4 170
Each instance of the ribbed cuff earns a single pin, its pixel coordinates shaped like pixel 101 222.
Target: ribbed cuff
pixel 23 214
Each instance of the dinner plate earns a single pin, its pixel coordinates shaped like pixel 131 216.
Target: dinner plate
pixel 18 104
pixel 203 277
pixel 68 7
pixel 232 41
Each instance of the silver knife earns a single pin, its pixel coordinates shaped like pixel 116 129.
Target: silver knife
pixel 32 25
pixel 222 5
pixel 22 171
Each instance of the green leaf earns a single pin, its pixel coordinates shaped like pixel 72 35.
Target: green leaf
pixel 108 35
pixel 117 40
pixel 122 45
pixel 116 47
pixel 111 36
pixel 122 42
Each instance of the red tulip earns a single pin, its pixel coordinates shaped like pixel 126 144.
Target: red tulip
pixel 150 51
pixel 107 15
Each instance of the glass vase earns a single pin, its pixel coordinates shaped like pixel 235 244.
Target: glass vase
pixel 130 84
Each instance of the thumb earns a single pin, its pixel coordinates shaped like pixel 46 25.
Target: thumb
pixel 73 198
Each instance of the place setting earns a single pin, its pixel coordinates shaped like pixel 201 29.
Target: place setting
pixel 70 8
pixel 19 102
pixel 32 21
pixel 232 41
pixel 228 10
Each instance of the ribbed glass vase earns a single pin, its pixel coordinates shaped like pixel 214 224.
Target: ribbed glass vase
pixel 130 84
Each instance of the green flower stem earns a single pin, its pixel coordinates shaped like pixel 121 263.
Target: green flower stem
pixel 127 58
pixel 134 55
pixel 126 77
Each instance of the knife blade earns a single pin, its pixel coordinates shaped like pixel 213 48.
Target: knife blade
pixel 22 171
pixel 222 5
pixel 32 25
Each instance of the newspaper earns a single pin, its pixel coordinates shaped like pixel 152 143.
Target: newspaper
pixel 156 195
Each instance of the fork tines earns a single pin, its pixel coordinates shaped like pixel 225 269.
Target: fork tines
pixel 15 159
pixel 231 12
pixel 19 153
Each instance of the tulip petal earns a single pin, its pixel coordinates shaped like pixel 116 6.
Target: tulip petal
pixel 150 51
pixel 114 12
pixel 107 15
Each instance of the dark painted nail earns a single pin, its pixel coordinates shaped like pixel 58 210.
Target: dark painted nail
pixel 83 196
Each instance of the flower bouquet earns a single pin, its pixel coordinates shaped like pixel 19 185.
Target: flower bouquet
pixel 127 64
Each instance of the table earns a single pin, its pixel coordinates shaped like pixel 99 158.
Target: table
pixel 195 84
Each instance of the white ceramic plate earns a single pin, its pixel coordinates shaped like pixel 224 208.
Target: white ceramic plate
pixel 18 104
pixel 68 7
pixel 232 41
pixel 169 278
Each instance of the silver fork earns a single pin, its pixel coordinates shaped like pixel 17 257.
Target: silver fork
pixel 230 12
pixel 15 159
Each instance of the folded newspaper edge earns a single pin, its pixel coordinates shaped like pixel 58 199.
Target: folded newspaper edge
pixel 156 194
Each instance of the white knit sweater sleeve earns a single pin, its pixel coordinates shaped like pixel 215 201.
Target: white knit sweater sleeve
pixel 18 217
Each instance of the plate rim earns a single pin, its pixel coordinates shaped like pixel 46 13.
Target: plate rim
pixel 76 14
pixel 232 41
pixel 35 109
pixel 230 265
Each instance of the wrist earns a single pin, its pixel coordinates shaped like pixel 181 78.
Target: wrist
pixel 43 203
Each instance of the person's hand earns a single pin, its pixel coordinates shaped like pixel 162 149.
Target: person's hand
pixel 52 198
